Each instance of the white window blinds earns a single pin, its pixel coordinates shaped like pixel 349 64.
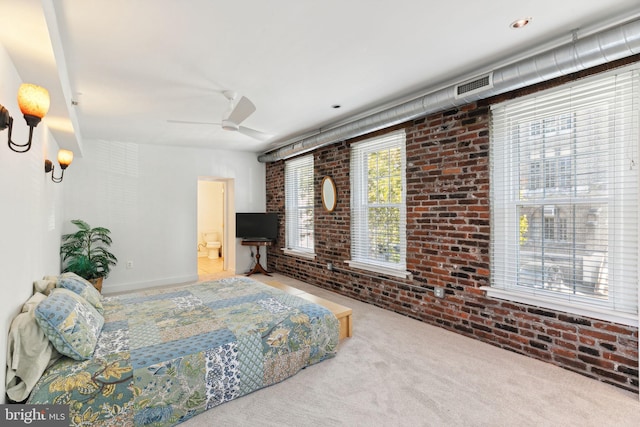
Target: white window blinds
pixel 299 200
pixel 564 194
pixel 378 213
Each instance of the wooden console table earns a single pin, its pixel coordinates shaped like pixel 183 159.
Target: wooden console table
pixel 258 268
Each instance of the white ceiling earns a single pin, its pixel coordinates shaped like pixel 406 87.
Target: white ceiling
pixel 132 65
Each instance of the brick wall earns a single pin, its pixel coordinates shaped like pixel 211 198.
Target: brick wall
pixel 448 232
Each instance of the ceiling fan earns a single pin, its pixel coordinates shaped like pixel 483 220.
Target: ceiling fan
pixel 240 107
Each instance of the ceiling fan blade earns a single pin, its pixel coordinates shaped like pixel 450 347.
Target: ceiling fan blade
pixel 188 122
pixel 242 109
pixel 255 134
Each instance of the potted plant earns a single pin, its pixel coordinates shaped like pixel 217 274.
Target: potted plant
pixel 86 253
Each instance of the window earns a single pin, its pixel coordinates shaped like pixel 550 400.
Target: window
pixel 378 213
pixel 564 201
pixel 299 200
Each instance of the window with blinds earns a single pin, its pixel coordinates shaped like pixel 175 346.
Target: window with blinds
pixel 298 188
pixel 564 196
pixel 378 212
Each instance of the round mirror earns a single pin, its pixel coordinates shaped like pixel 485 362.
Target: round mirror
pixel 328 193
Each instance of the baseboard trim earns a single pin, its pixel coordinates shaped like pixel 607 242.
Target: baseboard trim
pixel 109 289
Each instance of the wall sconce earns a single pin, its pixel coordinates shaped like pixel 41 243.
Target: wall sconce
pixel 65 157
pixel 34 103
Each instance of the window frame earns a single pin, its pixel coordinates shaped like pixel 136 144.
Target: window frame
pixel 361 207
pixel 565 165
pixel 298 173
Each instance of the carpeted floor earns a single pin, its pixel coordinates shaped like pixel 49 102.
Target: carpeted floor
pixel 396 371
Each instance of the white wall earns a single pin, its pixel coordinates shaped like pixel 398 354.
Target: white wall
pixel 30 210
pixel 147 196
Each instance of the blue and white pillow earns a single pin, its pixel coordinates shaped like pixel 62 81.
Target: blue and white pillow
pixel 82 287
pixel 70 322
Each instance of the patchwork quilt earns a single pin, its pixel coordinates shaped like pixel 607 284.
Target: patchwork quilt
pixel 164 356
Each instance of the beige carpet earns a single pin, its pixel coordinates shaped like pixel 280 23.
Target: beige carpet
pixel 396 371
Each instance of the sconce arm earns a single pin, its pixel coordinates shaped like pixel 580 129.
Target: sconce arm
pixel 6 122
pixel 19 148
pixel 48 167
pixel 57 180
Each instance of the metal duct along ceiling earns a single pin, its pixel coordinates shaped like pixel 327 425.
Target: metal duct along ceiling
pixel 600 48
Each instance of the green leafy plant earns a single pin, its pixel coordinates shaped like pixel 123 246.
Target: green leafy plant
pixel 86 252
pixel 524 229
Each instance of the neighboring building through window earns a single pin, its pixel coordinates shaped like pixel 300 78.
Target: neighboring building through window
pixel 378 210
pixel 565 197
pixel 299 201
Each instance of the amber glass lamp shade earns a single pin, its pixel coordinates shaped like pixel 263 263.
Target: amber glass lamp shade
pixel 33 100
pixel 65 157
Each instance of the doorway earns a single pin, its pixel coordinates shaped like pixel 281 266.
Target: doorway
pixel 215 246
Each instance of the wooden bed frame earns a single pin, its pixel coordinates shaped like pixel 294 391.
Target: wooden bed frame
pixel 340 311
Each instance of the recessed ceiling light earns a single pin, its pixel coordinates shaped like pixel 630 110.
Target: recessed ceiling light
pixel 519 23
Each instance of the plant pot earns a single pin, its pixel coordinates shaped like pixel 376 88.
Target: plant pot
pixel 97 283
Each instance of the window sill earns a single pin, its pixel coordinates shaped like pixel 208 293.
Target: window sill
pixel 378 269
pixel 299 254
pixel 568 307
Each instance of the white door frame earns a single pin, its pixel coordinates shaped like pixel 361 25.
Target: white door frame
pixel 229 222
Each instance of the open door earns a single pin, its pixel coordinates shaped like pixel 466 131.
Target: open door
pixel 215 226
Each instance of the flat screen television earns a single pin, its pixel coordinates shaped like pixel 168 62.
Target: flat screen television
pixel 257 226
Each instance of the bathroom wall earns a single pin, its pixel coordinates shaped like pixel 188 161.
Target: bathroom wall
pixel 210 209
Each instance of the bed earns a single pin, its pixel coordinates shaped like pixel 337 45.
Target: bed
pixel 164 356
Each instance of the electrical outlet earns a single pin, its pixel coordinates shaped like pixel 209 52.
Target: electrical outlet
pixel 329 266
pixel 438 292
pixel 129 265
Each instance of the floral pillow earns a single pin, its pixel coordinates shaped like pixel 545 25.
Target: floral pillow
pixel 70 322
pixel 82 287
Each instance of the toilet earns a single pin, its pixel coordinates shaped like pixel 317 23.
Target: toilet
pixel 213 244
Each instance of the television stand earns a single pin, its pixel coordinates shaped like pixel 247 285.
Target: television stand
pixel 258 268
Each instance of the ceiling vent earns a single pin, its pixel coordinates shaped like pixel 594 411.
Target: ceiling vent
pixel 474 86
pixel 600 48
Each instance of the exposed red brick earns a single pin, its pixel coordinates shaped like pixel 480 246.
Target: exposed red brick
pixel 598 335
pixel 616 329
pixel 448 236
pixel 620 359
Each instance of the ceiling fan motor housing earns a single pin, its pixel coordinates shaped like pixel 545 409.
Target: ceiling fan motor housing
pixel 229 125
